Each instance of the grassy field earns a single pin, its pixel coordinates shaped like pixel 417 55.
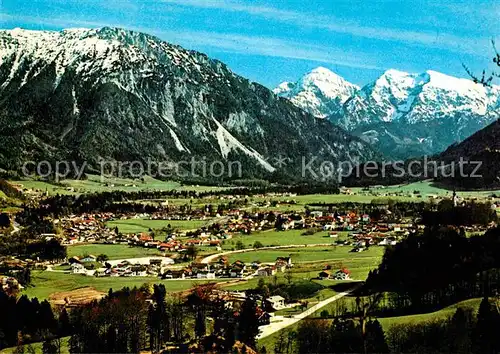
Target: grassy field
pixel 301 282
pixel 95 183
pixel 428 188
pixel 142 225
pixel 313 259
pixel 283 238
pixel 442 314
pixel 387 322
pixel 112 251
pixel 38 347
pixel 45 283
pixel 309 254
pixel 303 200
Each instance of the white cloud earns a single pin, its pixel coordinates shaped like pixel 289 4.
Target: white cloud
pixel 234 43
pixel 267 46
pixel 439 40
pixel 55 22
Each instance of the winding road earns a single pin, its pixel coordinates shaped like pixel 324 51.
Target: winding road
pixel 280 322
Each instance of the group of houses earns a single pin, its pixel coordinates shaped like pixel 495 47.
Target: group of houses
pixel 222 268
pixel 365 231
pixel 164 267
pixel 264 309
pixel 92 266
pixel 85 228
pixel 88 228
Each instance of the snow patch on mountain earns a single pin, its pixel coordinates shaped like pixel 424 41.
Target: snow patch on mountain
pixel 227 143
pixel 177 141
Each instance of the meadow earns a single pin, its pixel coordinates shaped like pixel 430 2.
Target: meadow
pixel 303 200
pixel 311 260
pixel 348 302
pixel 98 184
pixel 386 322
pixel 283 238
pixel 45 283
pixel 428 188
pixel 143 225
pixel 443 314
pixel 38 347
pixel 311 290
pixel 112 251
pixel 404 193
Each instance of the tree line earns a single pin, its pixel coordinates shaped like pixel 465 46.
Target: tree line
pixel 27 320
pixel 26 245
pixel 434 268
pixel 446 213
pixel 463 332
pixel 133 320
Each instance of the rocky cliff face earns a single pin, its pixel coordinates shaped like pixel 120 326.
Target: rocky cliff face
pixel 109 93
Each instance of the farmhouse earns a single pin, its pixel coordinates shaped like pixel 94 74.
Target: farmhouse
pixel 159 261
pixel 9 284
pixel 266 272
pixel 236 272
pixel 343 274
pixel 284 261
pixel 276 302
pixel 206 275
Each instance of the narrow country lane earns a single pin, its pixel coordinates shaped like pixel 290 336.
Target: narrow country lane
pixel 280 322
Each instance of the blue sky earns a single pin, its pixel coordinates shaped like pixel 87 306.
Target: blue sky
pixel 274 41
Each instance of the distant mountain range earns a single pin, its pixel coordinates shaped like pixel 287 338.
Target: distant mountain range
pixel 402 115
pixel 91 94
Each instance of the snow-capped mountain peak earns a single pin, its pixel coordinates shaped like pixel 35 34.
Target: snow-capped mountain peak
pixel 454 84
pixel 320 92
pixel 409 113
pixel 330 84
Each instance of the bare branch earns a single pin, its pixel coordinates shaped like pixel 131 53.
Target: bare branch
pixel 486 79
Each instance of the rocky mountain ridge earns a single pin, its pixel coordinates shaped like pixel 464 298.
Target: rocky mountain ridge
pixel 112 94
